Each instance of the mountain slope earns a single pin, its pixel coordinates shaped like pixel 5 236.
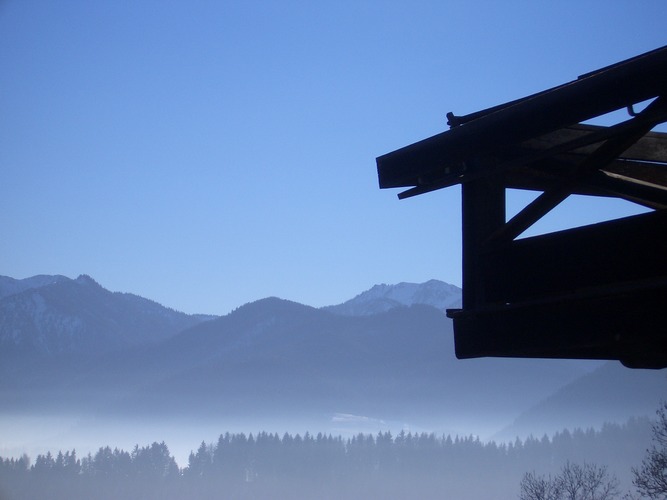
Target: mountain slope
pixel 275 357
pixel 52 315
pixel 611 393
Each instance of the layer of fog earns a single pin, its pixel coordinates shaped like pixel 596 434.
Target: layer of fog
pixel 39 434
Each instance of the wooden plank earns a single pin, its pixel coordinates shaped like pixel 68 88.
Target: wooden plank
pixel 651 147
pixel 648 174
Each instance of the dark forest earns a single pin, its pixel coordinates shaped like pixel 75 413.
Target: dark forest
pixel 266 465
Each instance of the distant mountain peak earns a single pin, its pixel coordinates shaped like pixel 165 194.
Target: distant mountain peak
pixel 84 279
pixel 382 297
pixel 270 306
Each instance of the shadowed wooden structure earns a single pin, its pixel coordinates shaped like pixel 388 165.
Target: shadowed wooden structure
pixel 598 291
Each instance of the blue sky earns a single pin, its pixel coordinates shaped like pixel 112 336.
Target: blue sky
pixel 207 153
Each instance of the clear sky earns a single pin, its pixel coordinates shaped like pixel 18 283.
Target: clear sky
pixel 205 154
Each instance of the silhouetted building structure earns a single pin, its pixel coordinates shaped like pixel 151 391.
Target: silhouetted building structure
pixel 598 291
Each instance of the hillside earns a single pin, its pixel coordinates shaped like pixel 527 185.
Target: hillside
pixel 610 393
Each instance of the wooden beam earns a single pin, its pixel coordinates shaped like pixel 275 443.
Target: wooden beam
pixel 483 208
pixel 627 83
pixel 606 153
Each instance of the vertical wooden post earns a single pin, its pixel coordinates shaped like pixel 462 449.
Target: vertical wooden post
pixel 483 208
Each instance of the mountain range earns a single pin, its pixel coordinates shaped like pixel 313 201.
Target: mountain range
pixel 71 345
pixel 51 315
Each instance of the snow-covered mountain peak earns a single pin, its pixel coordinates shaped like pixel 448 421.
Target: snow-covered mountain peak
pixel 383 297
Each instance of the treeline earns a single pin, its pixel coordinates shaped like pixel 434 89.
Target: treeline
pixel 266 465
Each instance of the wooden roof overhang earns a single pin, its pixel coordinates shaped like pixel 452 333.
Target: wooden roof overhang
pixel 594 292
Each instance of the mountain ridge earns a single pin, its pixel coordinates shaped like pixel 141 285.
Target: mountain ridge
pixel 383 297
pixel 274 356
pixel 12 286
